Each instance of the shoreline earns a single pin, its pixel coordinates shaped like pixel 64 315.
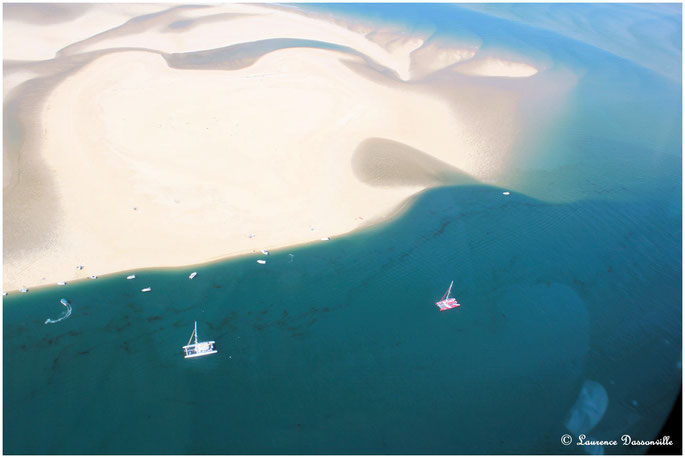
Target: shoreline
pixel 377 223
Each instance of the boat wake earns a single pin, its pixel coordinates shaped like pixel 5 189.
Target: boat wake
pixel 66 315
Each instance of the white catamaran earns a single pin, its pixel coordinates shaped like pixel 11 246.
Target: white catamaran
pixel 198 348
pixel 447 302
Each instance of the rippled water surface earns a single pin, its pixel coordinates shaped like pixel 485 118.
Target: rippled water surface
pixel 570 319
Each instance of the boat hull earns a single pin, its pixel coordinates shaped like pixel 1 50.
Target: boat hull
pixel 447 304
pixel 196 355
pixel 199 349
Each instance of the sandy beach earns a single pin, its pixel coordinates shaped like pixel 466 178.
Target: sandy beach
pixel 148 135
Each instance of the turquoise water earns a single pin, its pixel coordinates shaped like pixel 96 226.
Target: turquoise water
pixel 342 350
pixel 339 348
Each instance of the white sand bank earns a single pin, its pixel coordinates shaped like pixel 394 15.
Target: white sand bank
pixel 496 67
pixel 32 37
pixel 207 157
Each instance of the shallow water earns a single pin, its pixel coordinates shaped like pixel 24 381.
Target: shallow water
pixel 337 347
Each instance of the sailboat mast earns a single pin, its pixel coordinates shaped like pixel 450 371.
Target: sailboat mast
pixel 195 333
pixel 450 289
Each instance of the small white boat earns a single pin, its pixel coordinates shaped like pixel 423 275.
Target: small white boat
pixel 191 276
pixel 506 193
pixel 146 290
pixel 130 277
pixel 93 277
pixel 265 252
pixel 67 312
pixel 447 302
pixel 198 348
pixel 261 261
pixel 4 293
pixel 24 290
pixel 61 283
pixel 325 238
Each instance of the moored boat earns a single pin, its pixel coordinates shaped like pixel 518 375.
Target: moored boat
pixel 146 290
pixel 447 302
pixel 198 348
pixel 130 277
pixel 191 276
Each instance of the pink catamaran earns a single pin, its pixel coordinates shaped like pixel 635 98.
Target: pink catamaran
pixel 447 302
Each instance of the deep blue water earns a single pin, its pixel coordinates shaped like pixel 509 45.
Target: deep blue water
pixel 574 277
